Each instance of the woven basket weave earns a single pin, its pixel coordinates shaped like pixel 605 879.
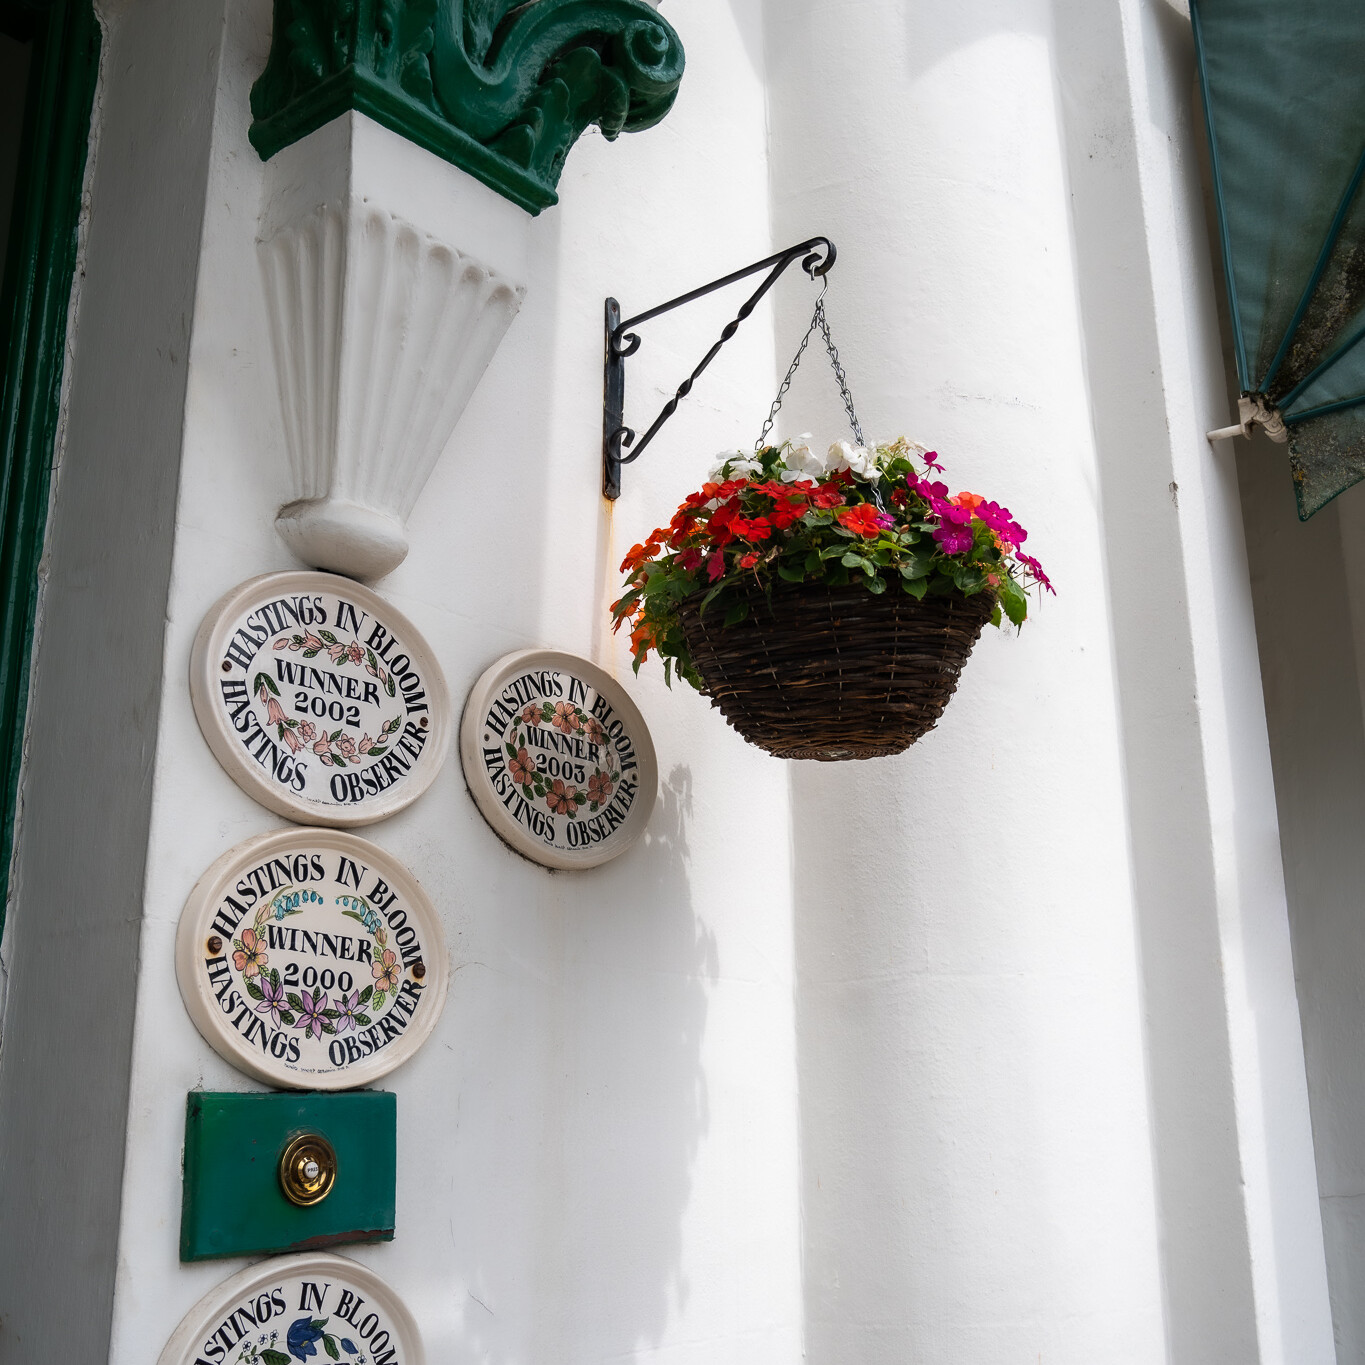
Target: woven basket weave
pixel 834 673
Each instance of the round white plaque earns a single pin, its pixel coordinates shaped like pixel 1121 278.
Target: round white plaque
pixel 311 959
pixel 290 1308
pixel 320 699
pixel 558 758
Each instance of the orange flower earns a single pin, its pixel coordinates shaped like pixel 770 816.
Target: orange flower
pixel 971 501
pixel 635 556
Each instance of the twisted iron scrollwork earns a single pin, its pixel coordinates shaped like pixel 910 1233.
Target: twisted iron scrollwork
pixel 817 259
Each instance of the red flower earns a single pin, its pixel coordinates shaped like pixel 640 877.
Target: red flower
pixel 749 560
pixel 865 519
pixel 756 528
pixel 715 567
pixel 690 559
pixel 827 495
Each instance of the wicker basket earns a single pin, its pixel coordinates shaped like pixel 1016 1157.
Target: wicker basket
pixel 834 673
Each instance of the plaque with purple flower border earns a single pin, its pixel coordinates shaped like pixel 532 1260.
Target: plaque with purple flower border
pixel 298 1310
pixel 311 959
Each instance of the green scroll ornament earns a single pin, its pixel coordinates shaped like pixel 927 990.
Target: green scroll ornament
pixel 500 88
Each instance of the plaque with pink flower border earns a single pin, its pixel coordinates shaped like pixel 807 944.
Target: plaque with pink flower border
pixel 311 959
pixel 558 759
pixel 282 1310
pixel 321 701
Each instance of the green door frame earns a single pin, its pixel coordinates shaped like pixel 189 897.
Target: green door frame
pixel 34 303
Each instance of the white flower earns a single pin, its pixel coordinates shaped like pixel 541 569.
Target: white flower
pixel 862 462
pixel 801 461
pixel 742 466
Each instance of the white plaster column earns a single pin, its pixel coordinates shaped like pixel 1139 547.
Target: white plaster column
pixel 390 278
pixel 1051 1107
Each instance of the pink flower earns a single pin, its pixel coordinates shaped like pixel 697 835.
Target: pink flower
pixel 530 715
pixel 250 957
pixel 311 641
pixel 274 712
pixel 690 559
pixel 1036 570
pixel 323 749
pixel 931 461
pixel 385 971
pixel 284 643
pixel 347 746
pixel 336 652
pixel 1007 530
pixel 354 652
pixel 715 566
pixel 565 717
pixel 592 727
pixel 308 731
pixel 292 740
pixel 365 745
pixel 954 531
pixel 599 787
pixel 930 492
pixel 561 799
pixel 522 768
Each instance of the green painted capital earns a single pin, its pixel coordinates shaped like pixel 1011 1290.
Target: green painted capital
pixel 500 88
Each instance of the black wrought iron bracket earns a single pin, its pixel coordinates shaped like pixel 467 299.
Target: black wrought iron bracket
pixel 818 258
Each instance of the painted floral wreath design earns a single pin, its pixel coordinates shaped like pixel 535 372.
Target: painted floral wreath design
pixel 302 1338
pixel 335 748
pixel 559 784
pixel 312 1011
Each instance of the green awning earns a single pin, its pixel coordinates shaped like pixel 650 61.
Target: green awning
pixel 1284 97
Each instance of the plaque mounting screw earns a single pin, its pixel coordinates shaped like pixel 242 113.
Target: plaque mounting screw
pixel 308 1169
pixel 419 969
pixel 227 667
pixel 215 945
pixel 424 722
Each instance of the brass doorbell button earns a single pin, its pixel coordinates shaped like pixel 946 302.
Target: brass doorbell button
pixel 308 1169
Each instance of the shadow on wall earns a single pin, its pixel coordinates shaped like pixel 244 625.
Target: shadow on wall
pixel 624 1114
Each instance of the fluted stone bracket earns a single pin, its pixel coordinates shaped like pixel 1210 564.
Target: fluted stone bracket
pixel 389 279
pixel 500 88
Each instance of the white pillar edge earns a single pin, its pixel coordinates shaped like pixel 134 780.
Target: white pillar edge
pixel 1157 379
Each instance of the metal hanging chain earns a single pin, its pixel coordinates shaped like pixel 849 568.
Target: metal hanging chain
pixel 818 319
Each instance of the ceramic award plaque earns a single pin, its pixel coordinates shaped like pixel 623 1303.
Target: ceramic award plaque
pixel 320 700
pixel 311 959
pixel 284 1310
pixel 558 759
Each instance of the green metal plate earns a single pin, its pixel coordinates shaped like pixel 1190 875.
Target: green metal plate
pixel 233 1202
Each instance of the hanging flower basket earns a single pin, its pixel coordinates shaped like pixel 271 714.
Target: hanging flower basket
pixel 814 671
pixel 826 605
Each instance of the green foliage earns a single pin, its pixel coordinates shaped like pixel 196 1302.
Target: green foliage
pixel 785 518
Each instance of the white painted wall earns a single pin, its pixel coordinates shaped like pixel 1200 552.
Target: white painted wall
pixel 988 1052
pixel 1051 1080
pixel 1309 587
pixel 597 1148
